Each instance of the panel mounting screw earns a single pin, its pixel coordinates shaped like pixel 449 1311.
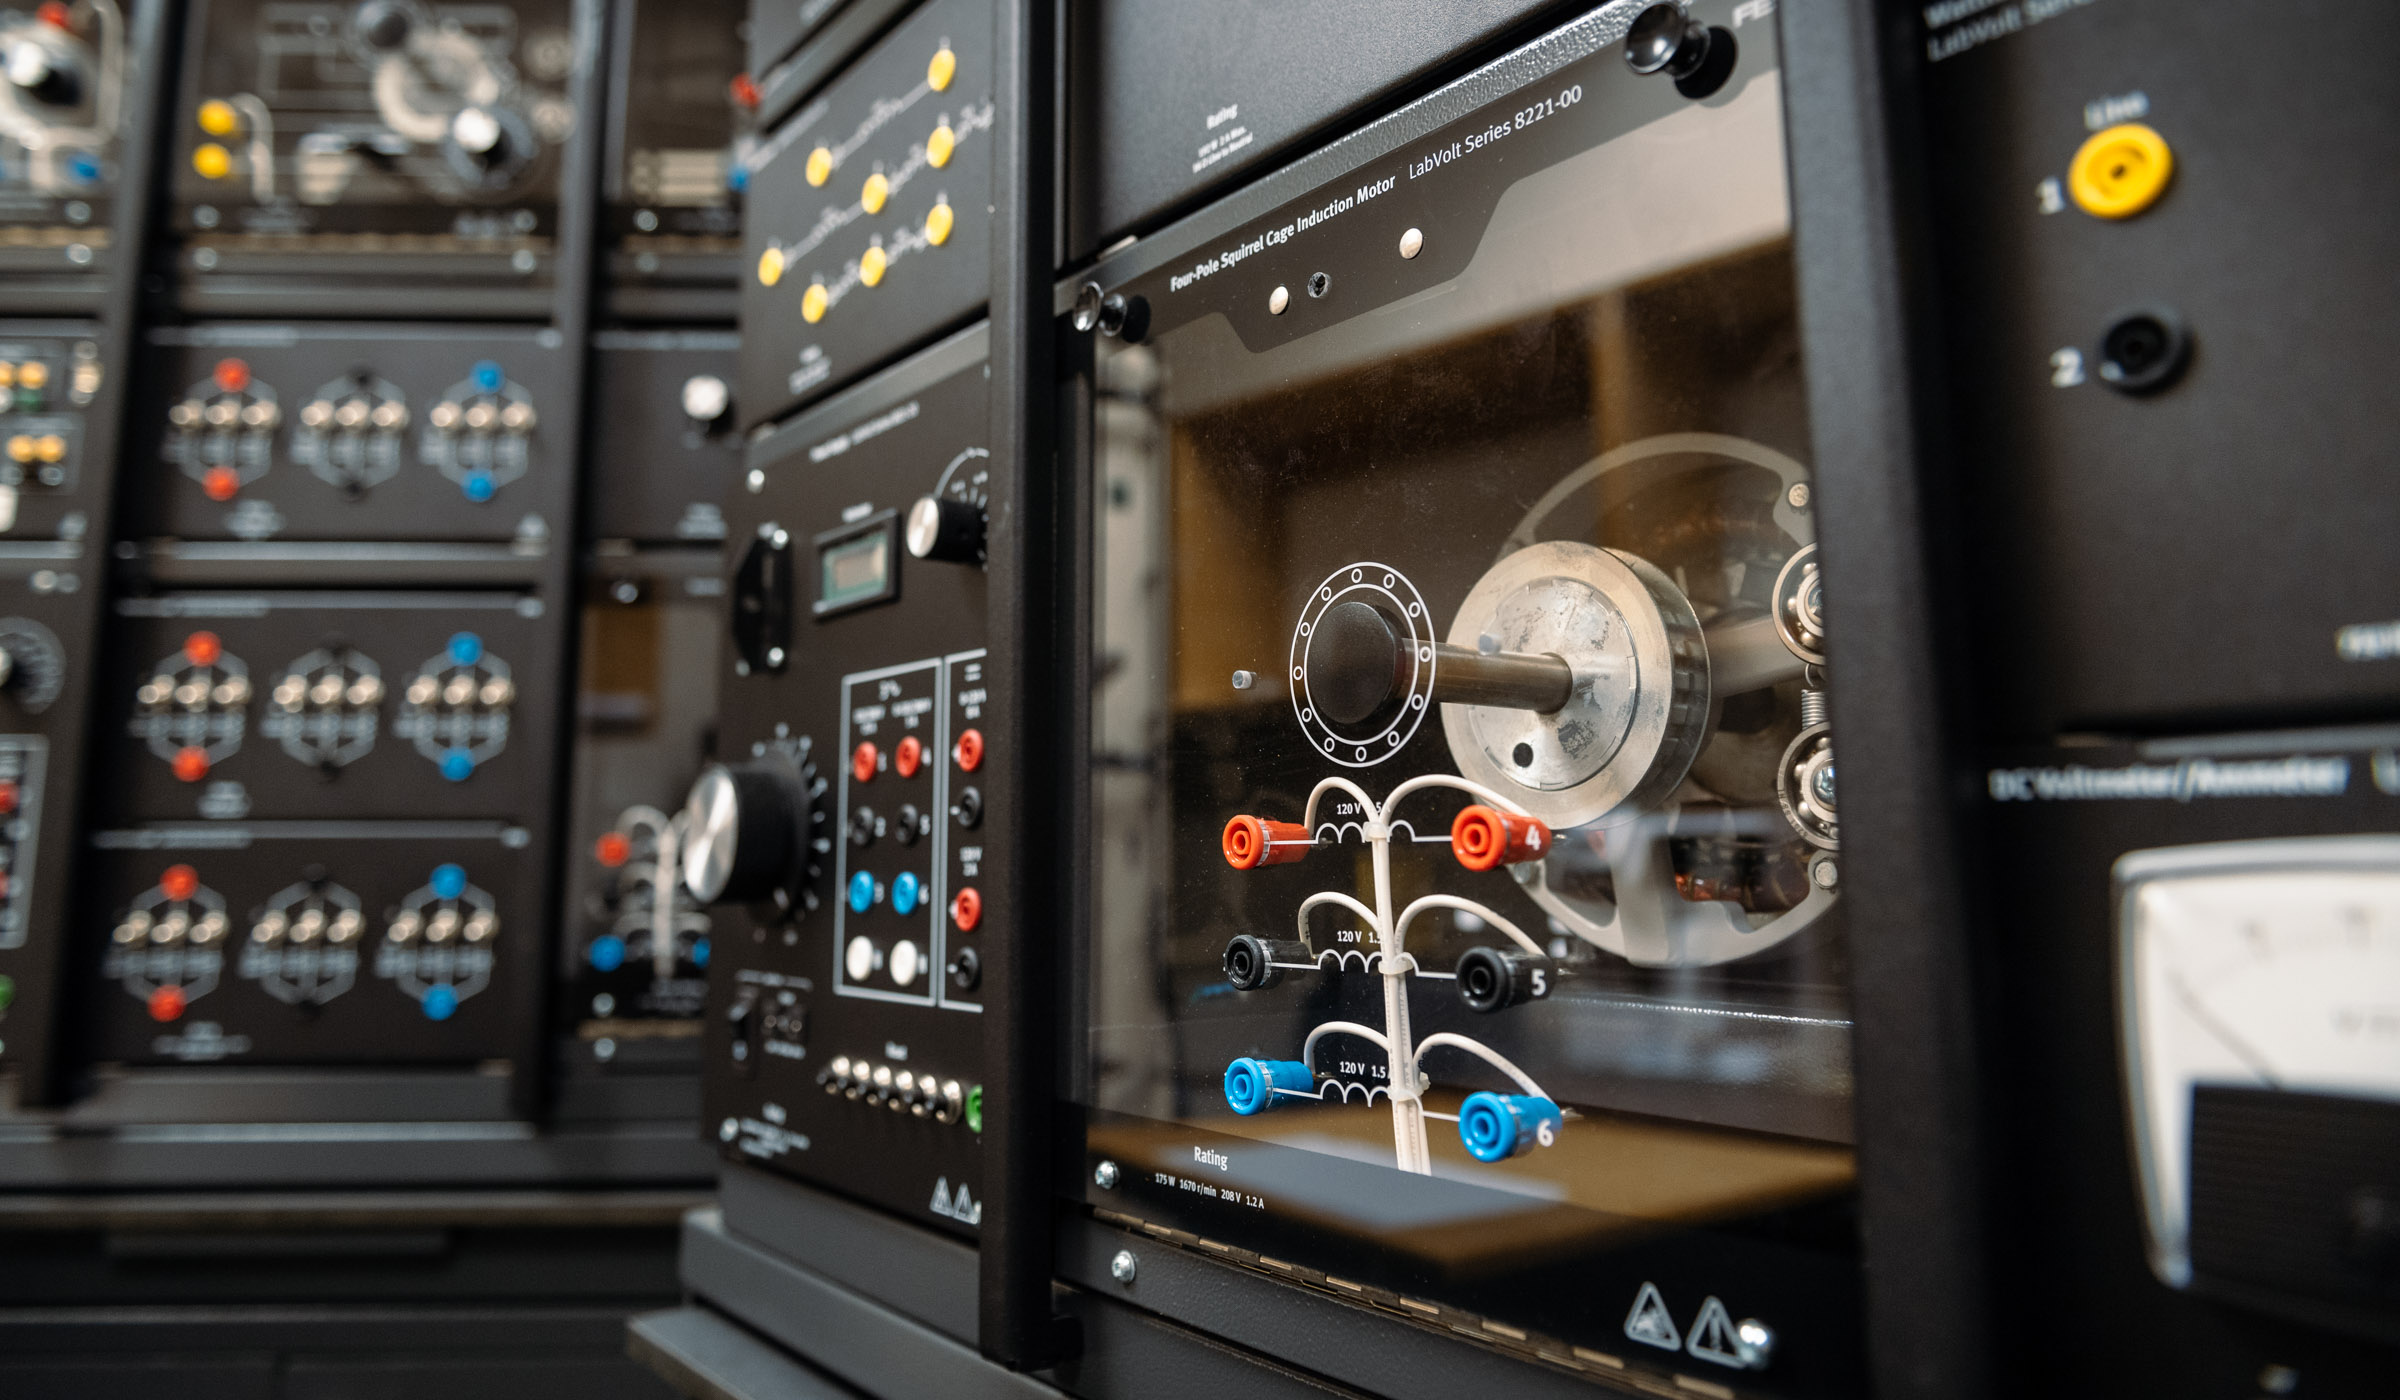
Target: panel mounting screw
pixel 1105 1175
pixel 728 1130
pixel 1123 1267
pixel 1242 680
pixel 1755 1341
pixel 1278 299
pixel 1412 243
pixel 1798 495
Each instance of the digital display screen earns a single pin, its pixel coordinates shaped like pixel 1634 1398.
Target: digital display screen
pixel 856 569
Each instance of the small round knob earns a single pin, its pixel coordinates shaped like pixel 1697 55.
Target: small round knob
pixel 480 134
pixel 383 25
pixel 1665 39
pixel 43 76
pixel 744 824
pixel 706 398
pixel 946 529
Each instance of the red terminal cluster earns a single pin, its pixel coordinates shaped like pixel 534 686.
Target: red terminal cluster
pixel 1483 837
pixel 863 761
pixel 166 1004
pixel 232 376
pixel 8 796
pixel 968 751
pixel 220 483
pixel 1251 842
pixel 613 850
pixel 191 763
pixel 56 14
pixel 966 909
pixel 908 756
pixel 203 648
pixel 745 91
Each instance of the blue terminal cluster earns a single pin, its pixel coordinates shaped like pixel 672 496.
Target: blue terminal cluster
pixel 449 881
pixel 1251 1085
pixel 478 485
pixel 488 376
pixel 607 952
pixel 439 1003
pixel 862 892
pixel 1496 1127
pixel 905 892
pixel 466 648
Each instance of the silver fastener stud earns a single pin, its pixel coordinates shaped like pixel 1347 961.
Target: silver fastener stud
pixel 728 1130
pixel 1243 680
pixel 1123 1267
pixel 1798 495
pixel 1755 1341
pixel 1278 299
pixel 1412 243
pixel 1105 1175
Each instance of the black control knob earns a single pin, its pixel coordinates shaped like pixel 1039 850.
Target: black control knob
pixel 481 134
pixel 744 825
pixel 706 400
pixel 1665 38
pixel 383 25
pixel 44 75
pixel 946 529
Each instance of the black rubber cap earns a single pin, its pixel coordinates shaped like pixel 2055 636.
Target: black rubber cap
pixel 382 25
pixel 1355 662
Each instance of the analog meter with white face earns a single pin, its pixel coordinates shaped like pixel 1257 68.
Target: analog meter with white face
pixel 2256 964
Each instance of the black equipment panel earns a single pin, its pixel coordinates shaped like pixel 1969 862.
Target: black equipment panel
pixel 1172 100
pixel 1453 514
pixel 328 126
pixel 634 961
pixel 680 112
pixel 2165 511
pixel 2199 535
pixel 319 943
pixel 56 446
pixel 845 1044
pixel 287 706
pixel 675 174
pixel 41 704
pixel 62 108
pixel 49 375
pixel 2075 1229
pixel 779 26
pixel 343 432
pixel 866 229
pixel 663 447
